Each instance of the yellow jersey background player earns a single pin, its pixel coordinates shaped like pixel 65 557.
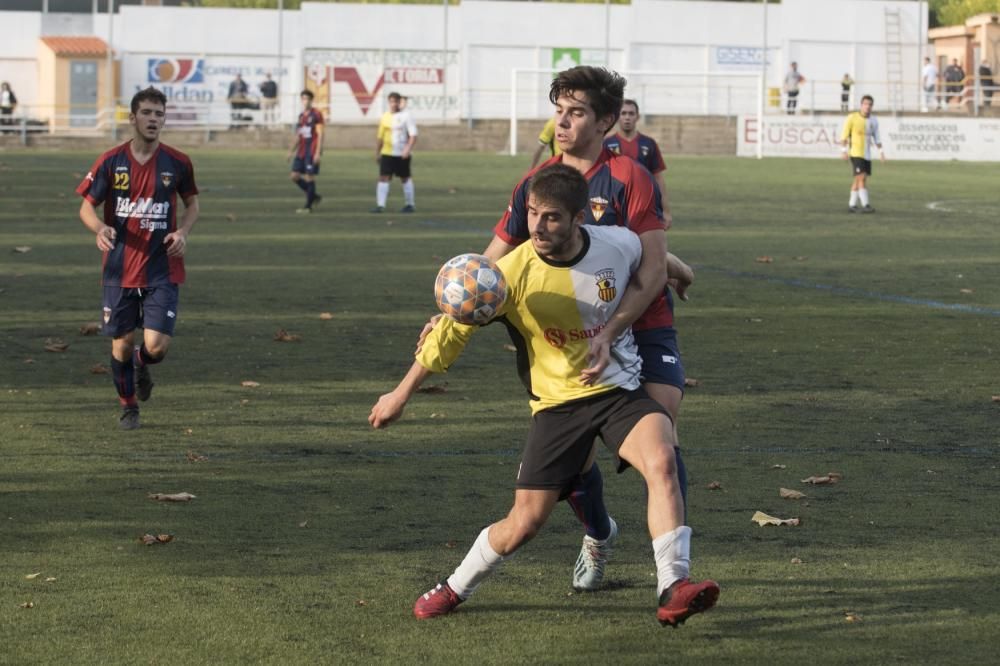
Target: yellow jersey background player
pixel 397 134
pixel 546 141
pixel 860 132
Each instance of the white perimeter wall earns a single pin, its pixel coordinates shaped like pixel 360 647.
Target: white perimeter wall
pixel 488 39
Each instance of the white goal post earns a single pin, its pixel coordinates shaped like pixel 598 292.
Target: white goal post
pixel 657 93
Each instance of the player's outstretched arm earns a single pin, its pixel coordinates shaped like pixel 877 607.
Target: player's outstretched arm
pixel 390 406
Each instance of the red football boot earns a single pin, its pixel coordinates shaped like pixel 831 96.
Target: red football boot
pixel 684 598
pixel 439 601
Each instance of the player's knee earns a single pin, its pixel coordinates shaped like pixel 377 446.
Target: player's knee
pixel 525 525
pixel 660 462
pixel 294 176
pixel 157 349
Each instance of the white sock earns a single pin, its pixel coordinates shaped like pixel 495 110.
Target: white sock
pixel 479 562
pixel 381 193
pixel 854 198
pixel 672 552
pixel 408 192
pixel 863 193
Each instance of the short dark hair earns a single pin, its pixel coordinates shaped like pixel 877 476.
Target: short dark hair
pixel 869 98
pixel 561 185
pixel 395 95
pixel 307 93
pixel 632 102
pixel 605 89
pixel 149 94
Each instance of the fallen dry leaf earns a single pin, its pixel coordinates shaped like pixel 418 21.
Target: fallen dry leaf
pixel 22 249
pixel 29 361
pixel 451 544
pixel 995 398
pixel 231 217
pixel 33 576
pixel 691 381
pixel 796 560
pixel 244 402
pixel 248 383
pixel 852 617
pixel 763 519
pixel 50 579
pixel 800 258
pixel 155 539
pixel 55 345
pixel 764 260
pixel 90 328
pixel 188 431
pixel 98 369
pixel 281 335
pixel 432 389
pixel 778 466
pixel 754 320
pixel 326 316
pixel 360 602
pixel 28 604
pixel 194 457
pixel 787 493
pixel 966 291
pixel 174 497
pixel 435 415
pixel 452 190
pixel 715 485
pixel 304 523
pixel 510 348
pixel 827 479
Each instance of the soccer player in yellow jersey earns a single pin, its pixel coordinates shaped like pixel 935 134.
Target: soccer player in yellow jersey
pixel 860 132
pixel 397 134
pixel 546 140
pixel 562 289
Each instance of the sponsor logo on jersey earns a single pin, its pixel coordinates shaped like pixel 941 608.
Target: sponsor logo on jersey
pixel 176 70
pixel 597 206
pixel 558 338
pixel 605 280
pixel 669 360
pixel 166 178
pixel 152 225
pixel 142 207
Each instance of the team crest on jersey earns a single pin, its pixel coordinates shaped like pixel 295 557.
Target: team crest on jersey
pixel 597 206
pixel 605 280
pixel 645 151
pixel 166 178
pixel 615 148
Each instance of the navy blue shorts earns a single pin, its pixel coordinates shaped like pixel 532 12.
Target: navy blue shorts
pixel 561 437
pixel 661 356
pixel 305 165
pixel 129 308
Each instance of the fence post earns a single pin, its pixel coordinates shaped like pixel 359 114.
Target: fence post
pixel 24 131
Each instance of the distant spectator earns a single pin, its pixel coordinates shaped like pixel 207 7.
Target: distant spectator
pixel 954 77
pixel 237 100
pixel 269 99
pixel 8 102
pixel 793 79
pixel 845 92
pixel 929 82
pixel 986 81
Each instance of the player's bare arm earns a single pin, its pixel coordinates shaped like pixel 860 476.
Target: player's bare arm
pixel 668 218
pixel 378 150
pixel 106 235
pixel 389 407
pixel 176 241
pixel 318 150
pixel 408 148
pixel 680 276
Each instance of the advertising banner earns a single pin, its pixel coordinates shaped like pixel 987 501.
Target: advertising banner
pixel 351 85
pixel 913 138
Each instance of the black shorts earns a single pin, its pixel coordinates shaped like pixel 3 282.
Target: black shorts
pixel 860 165
pixel 393 165
pixel 153 308
pixel 561 437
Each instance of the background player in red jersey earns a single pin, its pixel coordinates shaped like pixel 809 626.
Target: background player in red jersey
pixel 307 150
pixel 630 142
pixel 143 244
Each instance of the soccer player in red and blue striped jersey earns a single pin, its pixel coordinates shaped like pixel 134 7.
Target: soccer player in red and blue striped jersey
pixel 630 142
pixel 143 243
pixel 307 151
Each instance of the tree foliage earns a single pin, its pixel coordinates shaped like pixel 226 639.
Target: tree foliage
pixel 955 12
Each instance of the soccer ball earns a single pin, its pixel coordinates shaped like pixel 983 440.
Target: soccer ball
pixel 470 289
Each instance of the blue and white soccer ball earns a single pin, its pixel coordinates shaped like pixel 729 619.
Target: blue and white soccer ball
pixel 470 289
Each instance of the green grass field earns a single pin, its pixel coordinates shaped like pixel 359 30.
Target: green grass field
pixel 870 346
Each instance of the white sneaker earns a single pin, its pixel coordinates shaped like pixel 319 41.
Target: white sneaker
pixel 589 570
